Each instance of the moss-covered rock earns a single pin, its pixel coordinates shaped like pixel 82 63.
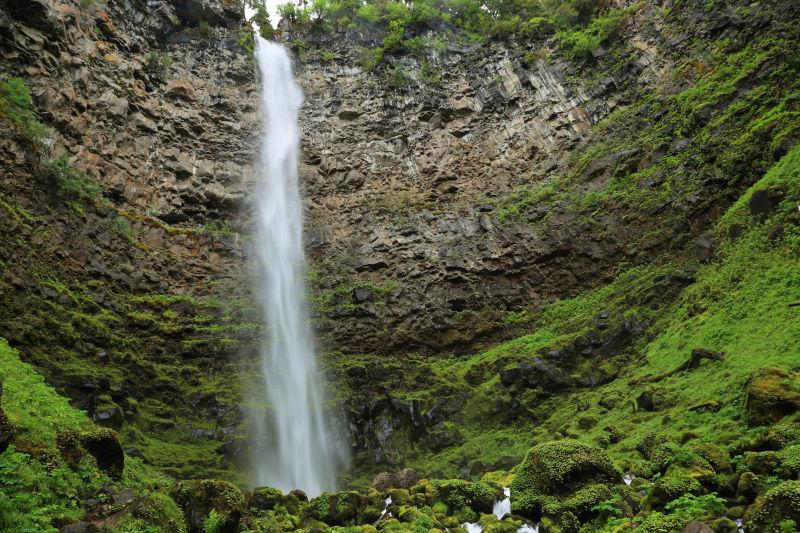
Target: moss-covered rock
pixel 103 444
pixel 264 499
pixel 459 494
pixel 762 463
pixel 724 525
pixel 676 483
pixel 748 486
pixel 336 509
pixel 717 456
pixel 199 497
pixel 772 393
pixel 158 508
pixel 779 505
pixel 559 466
pixel 669 453
pixel 563 480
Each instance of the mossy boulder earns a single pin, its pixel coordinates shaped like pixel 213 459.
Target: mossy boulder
pixel 160 510
pixel 555 472
pixel 581 502
pixel 762 463
pixel 264 499
pixel 669 453
pixel 717 456
pixel 108 413
pixel 779 504
pixel 459 494
pixel 777 436
pixel 772 394
pixel 748 487
pixel 198 497
pixel 335 509
pixel 103 444
pixel 676 483
pixel 724 525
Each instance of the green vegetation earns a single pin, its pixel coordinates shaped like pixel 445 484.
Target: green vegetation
pixel 677 371
pixel 17 107
pixel 67 182
pixel 158 64
pixel 46 474
pixel 579 26
pixel 743 304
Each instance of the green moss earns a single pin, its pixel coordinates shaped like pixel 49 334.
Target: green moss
pixel 33 408
pixel 37 490
pixel 673 485
pixel 200 498
pixel 778 505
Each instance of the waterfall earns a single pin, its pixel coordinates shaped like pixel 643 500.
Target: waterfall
pixel 503 507
pixel 296 450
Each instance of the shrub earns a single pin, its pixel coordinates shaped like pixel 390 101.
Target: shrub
pixel 368 13
pixel 16 106
pixel 690 507
pixel 67 182
pixel 579 44
pixel 158 64
pixel 369 58
pixel 122 227
pixel 204 29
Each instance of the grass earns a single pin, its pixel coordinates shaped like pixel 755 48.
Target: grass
pixel 34 409
pixel 38 489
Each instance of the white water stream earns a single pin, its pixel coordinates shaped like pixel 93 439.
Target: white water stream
pixel 296 450
pixel 500 509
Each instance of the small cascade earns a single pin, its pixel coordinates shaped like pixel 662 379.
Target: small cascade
pixel 477 528
pixel 739 525
pixel 387 502
pixel 628 479
pixel 500 509
pixel 503 507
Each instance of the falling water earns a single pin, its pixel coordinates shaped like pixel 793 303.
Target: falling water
pixel 297 450
pixel 500 509
pixel 503 507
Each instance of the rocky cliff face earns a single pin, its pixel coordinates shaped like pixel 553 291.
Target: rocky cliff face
pixel 412 172
pixel 155 102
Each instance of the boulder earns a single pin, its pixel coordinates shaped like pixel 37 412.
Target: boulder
pixel 780 504
pixel 405 479
pixel 724 525
pixel 159 508
pixel 559 470
pixel 108 413
pixel 336 509
pixel 458 494
pixel 265 499
pixel 674 484
pixel 772 393
pixel 198 497
pixel 103 444
pixel 764 201
pixel 717 457
pixel 748 486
